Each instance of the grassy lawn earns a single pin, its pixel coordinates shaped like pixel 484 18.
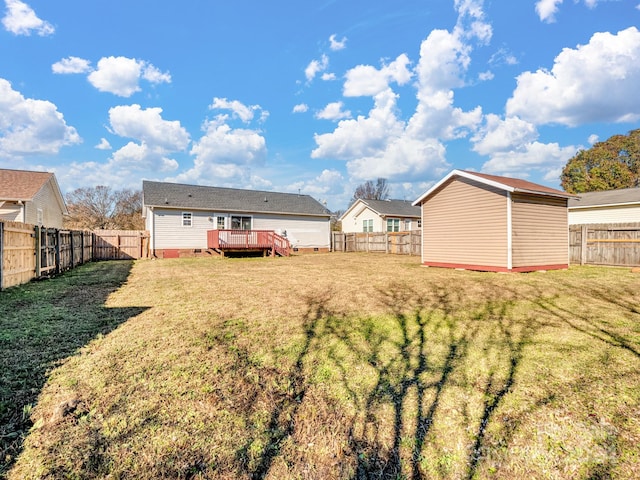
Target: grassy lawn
pixel 329 366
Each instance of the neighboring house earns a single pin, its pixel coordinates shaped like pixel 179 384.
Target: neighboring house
pixel 179 216
pixel 486 222
pixel 380 216
pixel 31 197
pixel 611 206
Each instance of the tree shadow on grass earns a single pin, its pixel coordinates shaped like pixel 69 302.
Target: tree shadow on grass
pixel 41 324
pixel 427 352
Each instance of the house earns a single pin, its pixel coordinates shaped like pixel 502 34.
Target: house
pixel 611 206
pixel 31 197
pixel 179 216
pixel 380 216
pixel 491 223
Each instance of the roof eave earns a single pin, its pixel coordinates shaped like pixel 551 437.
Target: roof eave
pixel 230 210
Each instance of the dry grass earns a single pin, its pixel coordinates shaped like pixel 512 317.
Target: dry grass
pixel 347 366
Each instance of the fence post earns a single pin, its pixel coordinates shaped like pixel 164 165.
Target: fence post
pixel 36 230
pixel 58 241
pixel 1 254
pixel 583 244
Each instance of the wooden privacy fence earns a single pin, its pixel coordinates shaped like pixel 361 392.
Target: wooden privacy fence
pixel 120 244
pixel 30 251
pixel 400 243
pixel 616 244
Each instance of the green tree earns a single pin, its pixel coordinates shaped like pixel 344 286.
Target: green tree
pixel 608 165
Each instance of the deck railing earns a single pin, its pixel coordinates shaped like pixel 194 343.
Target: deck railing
pixel 248 240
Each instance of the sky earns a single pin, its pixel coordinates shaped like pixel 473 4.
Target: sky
pixel 312 97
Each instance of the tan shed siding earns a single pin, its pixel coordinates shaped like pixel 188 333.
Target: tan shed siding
pixel 465 223
pixel 540 230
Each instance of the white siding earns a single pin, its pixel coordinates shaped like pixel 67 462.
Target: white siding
pixel 168 232
pixel 302 232
pixel 610 214
pixel 47 201
pixel 11 212
pixel 352 221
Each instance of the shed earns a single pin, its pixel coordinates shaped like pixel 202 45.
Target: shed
pixel 486 222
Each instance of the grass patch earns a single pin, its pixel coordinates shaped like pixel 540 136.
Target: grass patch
pixel 335 366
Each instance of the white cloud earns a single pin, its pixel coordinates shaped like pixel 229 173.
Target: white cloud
pixel 333 111
pixel 103 145
pixel 366 80
pixel 121 75
pixel 224 145
pixel 327 77
pixel 547 9
pixel 363 135
pixel 29 126
pixel 546 158
pixel 154 139
pixel 300 108
pixel 153 75
pixel 71 65
pixel 593 139
pixel 329 182
pixel 148 126
pixel 239 110
pixel 335 44
pixel 594 82
pixel 500 135
pixel 486 76
pixel 22 20
pixel 381 144
pixel 315 67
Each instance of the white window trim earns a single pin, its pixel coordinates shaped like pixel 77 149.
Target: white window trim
pixel 190 219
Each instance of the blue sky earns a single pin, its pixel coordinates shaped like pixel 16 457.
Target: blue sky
pixel 312 97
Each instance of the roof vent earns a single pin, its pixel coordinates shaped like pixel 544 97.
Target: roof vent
pixel 265 199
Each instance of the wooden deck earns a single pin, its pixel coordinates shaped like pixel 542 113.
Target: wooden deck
pixel 266 241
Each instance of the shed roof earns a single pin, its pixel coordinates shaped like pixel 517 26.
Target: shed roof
pixel 21 185
pixel 503 183
pixel 198 197
pixel 607 198
pixel 387 208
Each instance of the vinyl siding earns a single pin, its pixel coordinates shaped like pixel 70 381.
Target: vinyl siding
pixel 465 223
pixel 11 212
pixel 46 200
pixel 540 231
pixel 612 214
pixel 352 222
pixel 302 232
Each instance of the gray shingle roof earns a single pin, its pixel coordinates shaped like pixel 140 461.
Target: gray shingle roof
pixel 394 208
pixel 197 197
pixel 608 197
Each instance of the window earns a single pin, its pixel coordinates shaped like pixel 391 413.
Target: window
pixel 419 223
pixel 240 223
pixel 407 225
pixel 393 224
pixel 220 223
pixel 367 225
pixel 186 219
pixel 40 219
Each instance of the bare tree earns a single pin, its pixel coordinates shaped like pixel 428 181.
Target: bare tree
pixel 370 190
pixel 102 208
